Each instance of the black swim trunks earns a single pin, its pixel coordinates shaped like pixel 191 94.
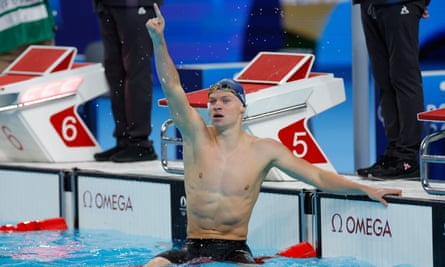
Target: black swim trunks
pixel 211 250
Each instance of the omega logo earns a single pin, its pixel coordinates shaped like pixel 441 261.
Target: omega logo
pixel 365 226
pixel 183 202
pixel 183 205
pixel 107 201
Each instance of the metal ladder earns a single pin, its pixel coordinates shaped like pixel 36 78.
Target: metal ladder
pixel 436 187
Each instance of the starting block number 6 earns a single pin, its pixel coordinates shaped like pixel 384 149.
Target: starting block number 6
pixel 70 129
pixel 11 138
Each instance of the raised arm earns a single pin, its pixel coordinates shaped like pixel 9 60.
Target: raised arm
pixel 184 116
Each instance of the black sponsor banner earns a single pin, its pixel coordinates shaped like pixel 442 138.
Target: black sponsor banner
pixel 178 212
pixel 439 235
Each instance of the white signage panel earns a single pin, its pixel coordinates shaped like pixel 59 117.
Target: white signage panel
pixel 130 206
pixel 384 236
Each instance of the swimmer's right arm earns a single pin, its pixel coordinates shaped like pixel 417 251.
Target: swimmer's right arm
pixel 184 116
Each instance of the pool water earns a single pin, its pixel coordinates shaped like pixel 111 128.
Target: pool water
pixel 110 248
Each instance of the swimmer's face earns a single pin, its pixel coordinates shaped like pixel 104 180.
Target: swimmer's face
pixel 215 88
pixel 225 86
pixel 224 107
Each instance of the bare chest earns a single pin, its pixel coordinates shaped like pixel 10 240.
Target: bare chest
pixel 227 174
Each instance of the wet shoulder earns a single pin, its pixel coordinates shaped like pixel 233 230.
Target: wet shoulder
pixel 266 146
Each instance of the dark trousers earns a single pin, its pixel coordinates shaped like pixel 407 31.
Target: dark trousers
pixel 391 33
pixel 128 52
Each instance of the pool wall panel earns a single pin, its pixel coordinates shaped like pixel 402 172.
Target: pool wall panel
pixel 275 221
pixel 398 234
pixel 27 194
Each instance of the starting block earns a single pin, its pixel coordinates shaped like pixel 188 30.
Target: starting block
pixel 282 94
pixel 437 115
pixel 39 96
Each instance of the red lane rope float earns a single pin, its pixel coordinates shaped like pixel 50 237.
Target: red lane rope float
pixel 300 250
pixel 57 223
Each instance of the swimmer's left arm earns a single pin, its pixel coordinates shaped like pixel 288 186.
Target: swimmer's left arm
pixel 324 180
pixel 377 193
pixel 334 183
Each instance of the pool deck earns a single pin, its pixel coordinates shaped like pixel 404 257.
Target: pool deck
pixel 412 188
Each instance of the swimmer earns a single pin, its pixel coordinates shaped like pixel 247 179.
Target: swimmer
pixel 225 167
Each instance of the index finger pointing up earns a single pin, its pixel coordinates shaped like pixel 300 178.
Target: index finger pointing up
pixel 157 11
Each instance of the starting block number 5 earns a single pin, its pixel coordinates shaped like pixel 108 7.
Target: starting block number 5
pixel 299 140
pixel 299 145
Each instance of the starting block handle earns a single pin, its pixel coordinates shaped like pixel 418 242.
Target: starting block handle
pixel 426 158
pixel 32 103
pixel 165 140
pixel 274 112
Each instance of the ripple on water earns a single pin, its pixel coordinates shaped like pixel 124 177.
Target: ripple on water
pixel 111 248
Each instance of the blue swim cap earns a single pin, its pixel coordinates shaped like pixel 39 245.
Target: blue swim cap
pixel 231 85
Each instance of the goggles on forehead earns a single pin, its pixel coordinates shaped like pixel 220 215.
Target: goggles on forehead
pixel 227 88
pixel 223 87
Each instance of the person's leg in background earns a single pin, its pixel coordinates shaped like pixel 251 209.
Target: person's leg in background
pixel 391 34
pixel 406 100
pixel 127 61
